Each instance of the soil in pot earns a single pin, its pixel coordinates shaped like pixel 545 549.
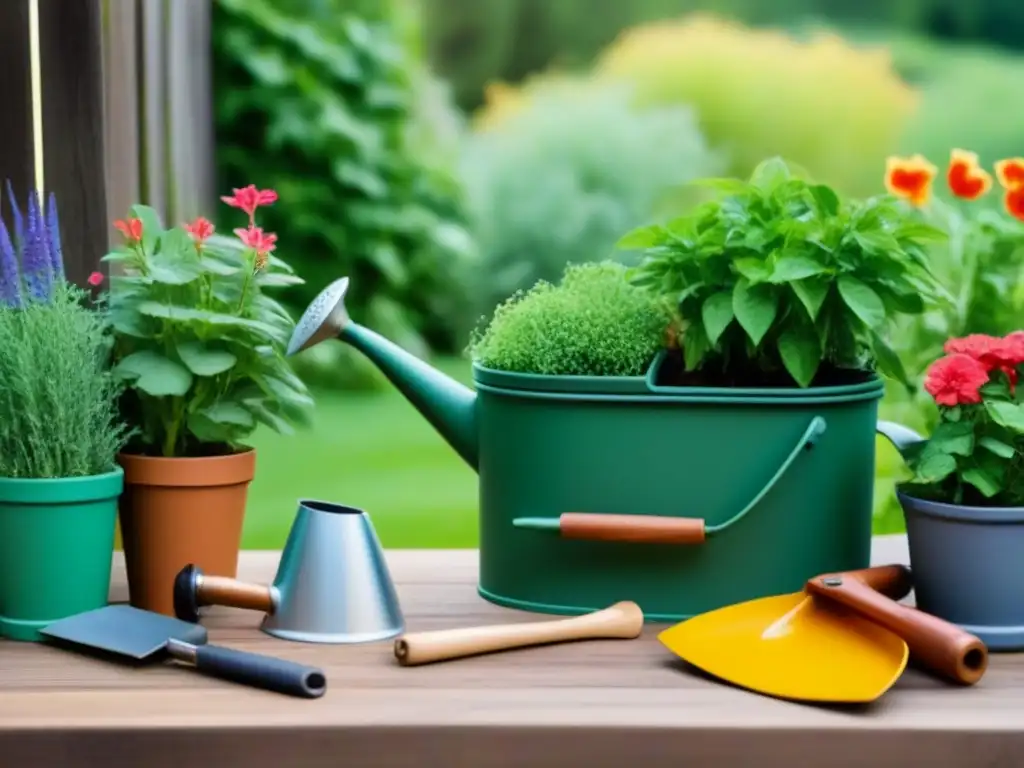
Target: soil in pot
pixel 56 546
pixel 177 511
pixel 713 373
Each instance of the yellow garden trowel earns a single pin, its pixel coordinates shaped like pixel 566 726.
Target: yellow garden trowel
pixel 843 639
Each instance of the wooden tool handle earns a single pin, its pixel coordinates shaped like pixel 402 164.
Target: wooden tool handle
pixel 220 590
pixel 942 647
pixel 893 581
pixel 637 529
pixel 623 620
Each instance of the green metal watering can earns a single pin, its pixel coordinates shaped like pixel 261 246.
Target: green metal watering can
pixel 682 499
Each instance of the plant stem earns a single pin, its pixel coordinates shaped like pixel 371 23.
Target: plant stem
pixel 173 429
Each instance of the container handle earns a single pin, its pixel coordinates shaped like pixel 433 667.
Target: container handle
pixel 660 529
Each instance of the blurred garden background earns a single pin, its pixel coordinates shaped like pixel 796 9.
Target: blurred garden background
pixel 444 153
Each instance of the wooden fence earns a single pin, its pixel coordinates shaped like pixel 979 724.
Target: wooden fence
pixel 106 103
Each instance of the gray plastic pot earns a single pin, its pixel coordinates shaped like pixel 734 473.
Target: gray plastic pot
pixel 967 565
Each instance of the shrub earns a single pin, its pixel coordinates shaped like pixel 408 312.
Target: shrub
pixel 58 399
pixel 822 104
pixel 593 323
pixel 558 169
pixel 319 100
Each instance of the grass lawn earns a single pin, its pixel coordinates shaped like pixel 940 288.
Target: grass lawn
pixel 375 452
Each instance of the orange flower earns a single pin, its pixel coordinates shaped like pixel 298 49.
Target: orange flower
pixel 910 178
pixel 1013 201
pixel 966 178
pixel 1010 172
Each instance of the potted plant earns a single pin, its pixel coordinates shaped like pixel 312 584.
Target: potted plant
pixel 199 345
pixel 964 502
pixel 60 432
pixel 691 433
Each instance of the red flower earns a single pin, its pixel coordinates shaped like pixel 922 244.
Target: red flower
pixel 965 176
pixel 130 228
pixel 249 199
pixel 990 351
pixel 910 178
pixel 955 379
pixel 1013 201
pixel 1010 172
pixel 258 240
pixel 95 278
pixel 200 229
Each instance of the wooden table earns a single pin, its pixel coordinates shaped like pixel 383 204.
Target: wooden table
pixel 603 703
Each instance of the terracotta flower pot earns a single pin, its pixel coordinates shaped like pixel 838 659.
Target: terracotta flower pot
pixel 178 511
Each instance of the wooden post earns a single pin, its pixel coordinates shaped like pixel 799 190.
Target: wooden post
pixel 71 65
pixel 121 91
pixel 17 157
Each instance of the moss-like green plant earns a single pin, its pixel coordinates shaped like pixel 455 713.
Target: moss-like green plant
pixel 593 323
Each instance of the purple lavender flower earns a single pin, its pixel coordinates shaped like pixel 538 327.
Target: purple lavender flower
pixel 19 224
pixel 53 231
pixel 36 269
pixel 10 281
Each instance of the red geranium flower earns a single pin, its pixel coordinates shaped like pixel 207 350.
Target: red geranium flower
pixel 956 379
pixel 95 279
pixel 130 228
pixel 200 229
pixel 965 176
pixel 249 198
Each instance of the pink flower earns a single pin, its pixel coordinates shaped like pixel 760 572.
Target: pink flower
pixel 200 229
pixel 262 243
pixel 130 228
pixel 95 279
pixel 956 379
pixel 249 199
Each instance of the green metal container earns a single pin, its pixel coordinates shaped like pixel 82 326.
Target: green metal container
pixel 56 546
pixel 777 483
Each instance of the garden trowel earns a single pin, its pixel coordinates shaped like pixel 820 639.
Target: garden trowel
pixel 843 639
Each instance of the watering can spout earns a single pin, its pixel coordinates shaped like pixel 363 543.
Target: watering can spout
pixel 449 406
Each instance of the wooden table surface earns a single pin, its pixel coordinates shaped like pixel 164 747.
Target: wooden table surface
pixel 601 703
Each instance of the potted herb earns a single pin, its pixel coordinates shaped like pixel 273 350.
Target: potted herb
pixel 59 433
pixel 200 348
pixel 693 433
pixel 964 503
pixel 592 323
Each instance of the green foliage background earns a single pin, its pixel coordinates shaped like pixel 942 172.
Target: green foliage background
pixel 321 101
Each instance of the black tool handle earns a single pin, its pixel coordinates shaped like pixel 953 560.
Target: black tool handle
pixel 261 671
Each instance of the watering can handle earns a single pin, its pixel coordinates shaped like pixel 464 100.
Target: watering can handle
pixel 940 646
pixel 661 529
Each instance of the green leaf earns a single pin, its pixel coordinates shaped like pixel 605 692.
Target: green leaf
pixel 801 353
pixel 795 266
pixel 755 308
pixel 642 237
pixel 188 314
pixel 265 416
pixel 981 480
pixel 226 412
pixel 862 300
pixel 178 272
pixel 752 268
pixel 717 314
pixel 204 361
pixel 695 346
pixel 935 468
pixel 152 227
pixel 877 242
pixel 954 437
pixel 726 185
pixel 812 293
pixel 916 230
pixel 1009 415
pixel 997 447
pixel 889 363
pixel 769 173
pixel 154 374
pixel 826 198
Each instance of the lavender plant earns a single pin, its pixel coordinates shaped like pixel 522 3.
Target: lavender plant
pixel 58 399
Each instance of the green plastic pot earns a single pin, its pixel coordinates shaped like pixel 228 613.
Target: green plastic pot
pixel 56 547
